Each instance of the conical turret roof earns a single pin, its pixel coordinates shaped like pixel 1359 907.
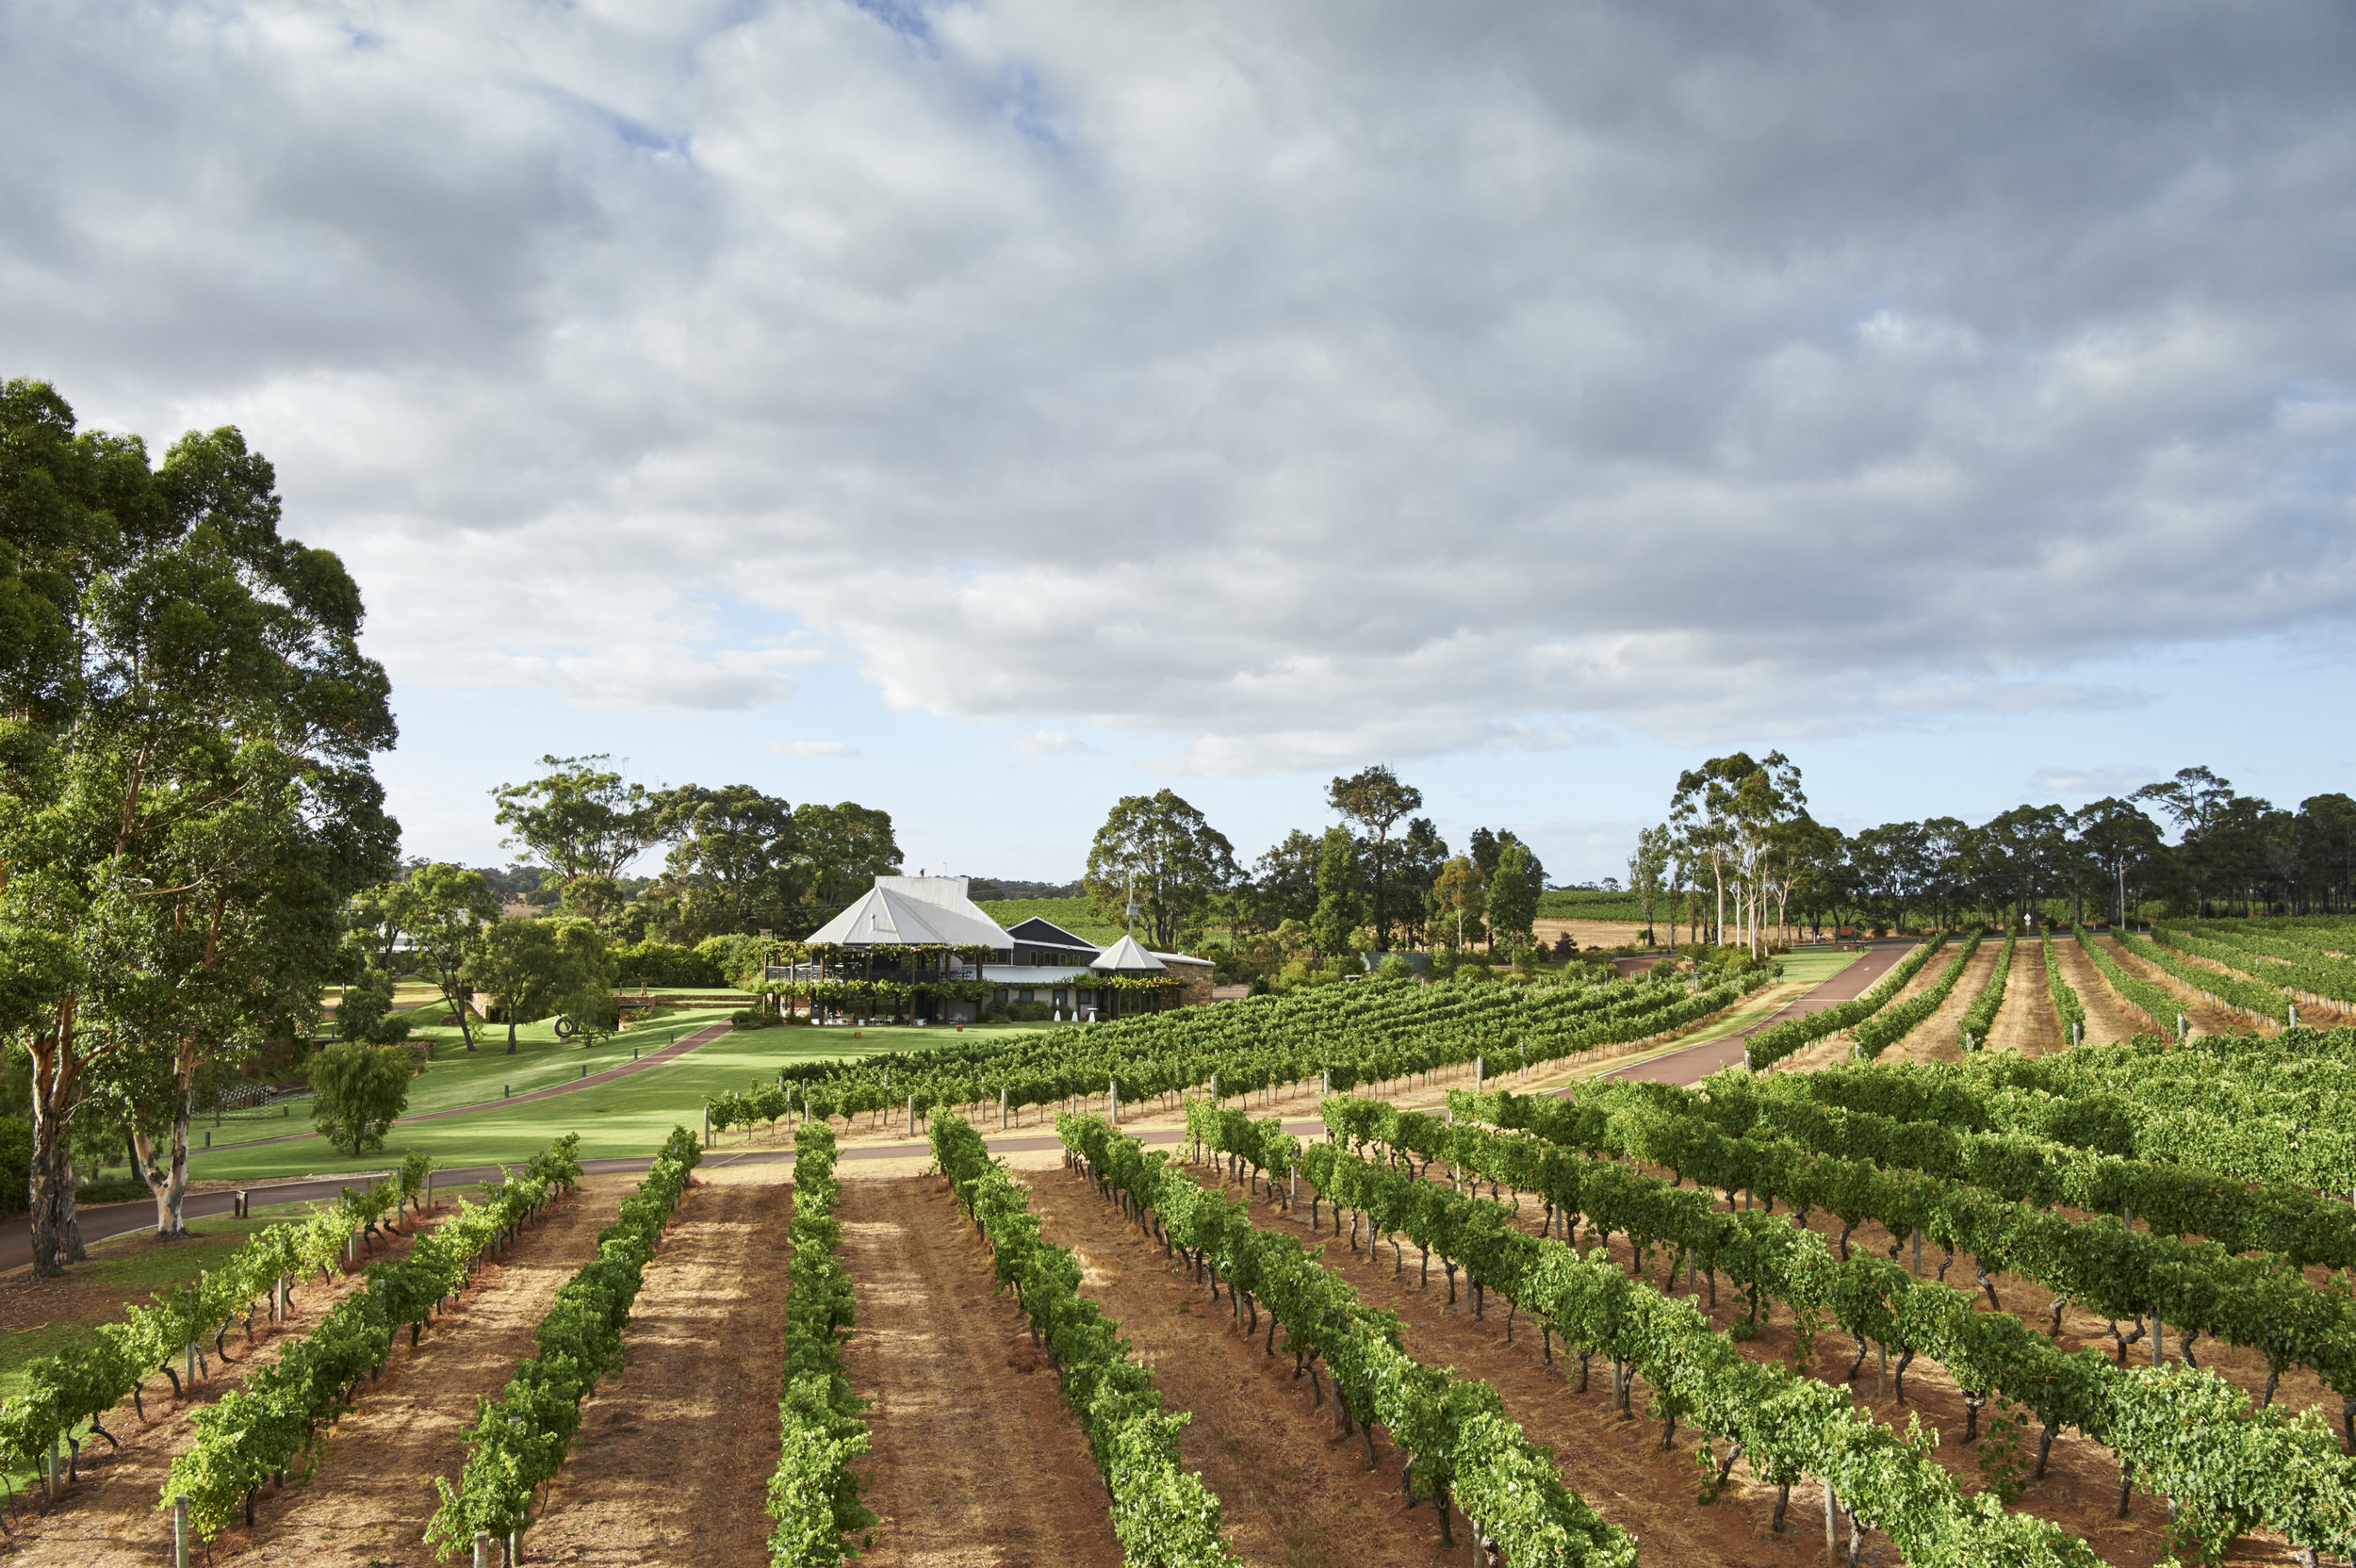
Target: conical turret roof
pixel 1126 957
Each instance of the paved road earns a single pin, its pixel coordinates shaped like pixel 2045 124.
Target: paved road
pixel 1693 1065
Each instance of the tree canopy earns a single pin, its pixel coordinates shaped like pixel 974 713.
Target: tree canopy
pixel 1174 861
pixel 186 798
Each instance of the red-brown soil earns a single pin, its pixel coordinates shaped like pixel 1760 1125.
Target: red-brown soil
pixel 2204 1015
pixel 2027 1022
pixel 2108 1018
pixel 976 1461
pixel 673 1461
pixel 1936 1039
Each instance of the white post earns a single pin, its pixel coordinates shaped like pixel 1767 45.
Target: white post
pixel 1480 1068
pixel 1832 1537
pixel 911 1116
pixel 707 1126
pixel 1112 1099
pixel 1001 1110
pixel 1214 1088
pixel 483 1549
pixel 179 1532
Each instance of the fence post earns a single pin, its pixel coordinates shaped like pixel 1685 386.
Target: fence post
pixel 179 1532
pixel 482 1549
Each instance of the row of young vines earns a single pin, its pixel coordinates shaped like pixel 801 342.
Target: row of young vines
pixel 1165 1517
pixel 2189 1434
pixel 521 1439
pixel 1787 1426
pixel 74 1389
pixel 814 1495
pixel 1463 1448
pixel 270 1426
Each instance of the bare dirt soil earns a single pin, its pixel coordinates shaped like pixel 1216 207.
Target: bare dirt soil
pixel 110 1518
pixel 1936 1040
pixel 2108 1018
pixel 369 1499
pixel 2079 1491
pixel 1293 1491
pixel 673 1461
pixel 2027 1022
pixel 976 1461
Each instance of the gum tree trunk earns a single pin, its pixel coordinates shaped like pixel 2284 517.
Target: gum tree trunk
pixel 57 1235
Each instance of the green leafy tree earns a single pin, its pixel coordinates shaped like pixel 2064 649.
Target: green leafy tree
pixel 1376 800
pixel 1513 899
pixel 1485 846
pixel 579 819
pixel 1460 899
pixel 184 794
pixel 357 1091
pixel 363 1011
pixel 539 968
pixel 379 918
pixel 735 863
pixel 2124 847
pixel 1648 870
pixel 1417 859
pixel 1341 894
pixel 1163 851
pixel 1284 884
pixel 841 850
pixel 453 905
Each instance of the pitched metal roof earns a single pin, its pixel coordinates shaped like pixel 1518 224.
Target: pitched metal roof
pixel 886 916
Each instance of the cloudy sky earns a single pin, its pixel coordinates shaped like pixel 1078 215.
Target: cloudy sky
pixel 983 410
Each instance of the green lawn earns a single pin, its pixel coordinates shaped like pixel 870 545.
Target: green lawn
pixel 628 1116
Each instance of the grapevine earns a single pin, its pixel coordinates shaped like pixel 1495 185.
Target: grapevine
pixel 521 1439
pixel 1165 1517
pixel 814 1495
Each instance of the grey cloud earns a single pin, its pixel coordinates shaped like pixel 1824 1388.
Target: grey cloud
pixel 1306 384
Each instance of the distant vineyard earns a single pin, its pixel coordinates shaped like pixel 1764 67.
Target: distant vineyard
pixel 1581 903
pixel 1076 915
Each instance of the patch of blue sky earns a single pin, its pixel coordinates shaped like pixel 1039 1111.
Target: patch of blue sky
pixel 905 17
pixel 1023 104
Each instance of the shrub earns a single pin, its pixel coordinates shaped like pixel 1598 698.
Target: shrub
pixel 661 965
pixel 357 1090
pixel 737 959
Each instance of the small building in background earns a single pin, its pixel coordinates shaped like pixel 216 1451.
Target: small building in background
pixel 910 929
